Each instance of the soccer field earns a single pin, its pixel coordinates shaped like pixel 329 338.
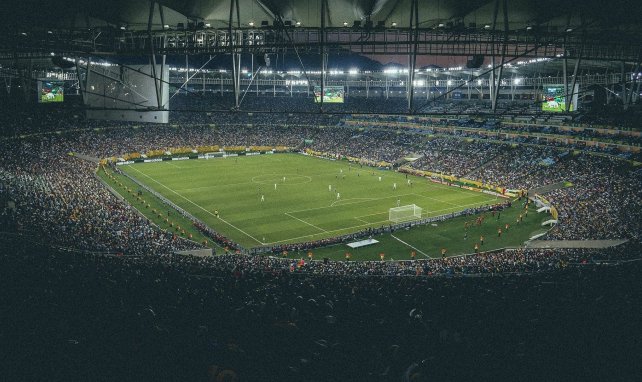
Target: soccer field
pixel 287 198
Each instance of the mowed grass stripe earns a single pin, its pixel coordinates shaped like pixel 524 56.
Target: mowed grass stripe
pixel 227 186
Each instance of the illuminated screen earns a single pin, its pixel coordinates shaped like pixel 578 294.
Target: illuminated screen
pixel 51 91
pixel 331 94
pixel 554 100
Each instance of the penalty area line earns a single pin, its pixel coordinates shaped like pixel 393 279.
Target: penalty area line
pixel 303 221
pixel 411 246
pixel 224 221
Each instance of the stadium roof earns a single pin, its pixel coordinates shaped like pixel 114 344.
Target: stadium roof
pixel 621 16
pixel 612 31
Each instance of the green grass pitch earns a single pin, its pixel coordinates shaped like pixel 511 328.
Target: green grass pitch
pixel 300 203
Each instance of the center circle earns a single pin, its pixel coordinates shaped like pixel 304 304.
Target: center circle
pixel 281 179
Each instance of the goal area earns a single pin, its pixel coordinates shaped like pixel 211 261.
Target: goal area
pixel 404 213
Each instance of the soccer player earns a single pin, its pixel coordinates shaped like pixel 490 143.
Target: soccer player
pixel 398 202
pixel 481 239
pixel 338 196
pixel 380 179
pixel 275 186
pixel 329 187
pixel 262 198
pixel 394 186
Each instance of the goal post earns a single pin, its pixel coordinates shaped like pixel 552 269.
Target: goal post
pixel 404 213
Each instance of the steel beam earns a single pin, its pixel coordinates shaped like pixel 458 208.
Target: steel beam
pixel 235 35
pixel 324 55
pixel 152 56
pixel 412 57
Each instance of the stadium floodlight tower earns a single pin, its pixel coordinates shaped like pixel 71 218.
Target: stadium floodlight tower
pixel 404 213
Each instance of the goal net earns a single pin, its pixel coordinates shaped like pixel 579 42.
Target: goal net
pixel 404 213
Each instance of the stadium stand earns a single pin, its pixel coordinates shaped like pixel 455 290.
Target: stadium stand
pixel 95 287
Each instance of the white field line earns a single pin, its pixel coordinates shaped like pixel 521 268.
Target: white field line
pixel 445 202
pixel 361 220
pixel 303 221
pixel 175 165
pixel 436 200
pixel 347 204
pixel 361 225
pixel 332 231
pixel 257 183
pixel 342 200
pixel 310 209
pixel 224 221
pixel 411 246
pixel 427 210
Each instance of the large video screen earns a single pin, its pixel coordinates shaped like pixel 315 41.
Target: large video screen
pixel 331 94
pixel 51 91
pixel 554 100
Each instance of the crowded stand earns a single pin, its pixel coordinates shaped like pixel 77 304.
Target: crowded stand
pixel 455 156
pixel 118 292
pixel 233 317
pixel 320 191
pixel 70 200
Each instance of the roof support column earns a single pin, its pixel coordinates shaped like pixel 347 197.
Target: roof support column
pixel 628 96
pixel 634 94
pixel 83 84
pixel 497 81
pixel 152 55
pixel 324 55
pixel 413 35
pixel 235 37
pixel 571 93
